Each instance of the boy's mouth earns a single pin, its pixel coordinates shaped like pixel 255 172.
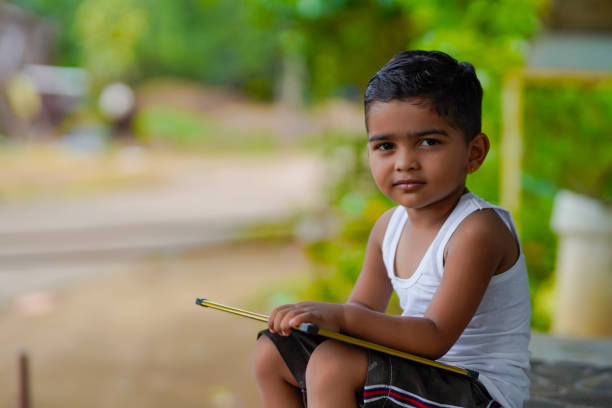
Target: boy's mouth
pixel 409 185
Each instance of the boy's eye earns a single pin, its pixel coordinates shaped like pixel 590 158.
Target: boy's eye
pixel 429 142
pixel 384 146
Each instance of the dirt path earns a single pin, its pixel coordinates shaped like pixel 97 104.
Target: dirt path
pixel 136 338
pixel 200 201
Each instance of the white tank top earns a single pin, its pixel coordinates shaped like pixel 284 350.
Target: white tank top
pixel 495 342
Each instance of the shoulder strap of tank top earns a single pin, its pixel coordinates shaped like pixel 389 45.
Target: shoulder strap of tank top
pixel 468 203
pixel 392 235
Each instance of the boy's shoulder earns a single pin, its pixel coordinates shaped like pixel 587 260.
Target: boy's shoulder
pixel 484 233
pixel 485 223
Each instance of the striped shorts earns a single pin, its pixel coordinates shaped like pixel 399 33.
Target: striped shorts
pixel 391 381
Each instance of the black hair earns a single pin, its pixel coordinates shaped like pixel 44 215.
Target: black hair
pixel 451 88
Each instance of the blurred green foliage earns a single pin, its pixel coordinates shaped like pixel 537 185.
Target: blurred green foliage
pixel 341 42
pixel 214 41
pixel 237 44
pixel 243 44
pixel 566 139
pixel 108 32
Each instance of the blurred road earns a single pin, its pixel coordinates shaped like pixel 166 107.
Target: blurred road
pixel 43 245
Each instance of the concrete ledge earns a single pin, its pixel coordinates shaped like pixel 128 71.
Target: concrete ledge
pixel 569 373
pixel 548 348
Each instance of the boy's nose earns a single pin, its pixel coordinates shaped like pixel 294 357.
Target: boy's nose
pixel 406 161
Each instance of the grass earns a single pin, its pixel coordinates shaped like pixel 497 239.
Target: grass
pixel 180 129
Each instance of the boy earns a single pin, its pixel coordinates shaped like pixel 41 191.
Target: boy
pixel 454 260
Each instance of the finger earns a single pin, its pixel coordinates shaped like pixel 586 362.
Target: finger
pixel 280 316
pixel 285 327
pixel 273 316
pixel 273 320
pixel 303 317
pixel 279 309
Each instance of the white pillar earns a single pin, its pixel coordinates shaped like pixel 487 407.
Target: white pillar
pixel 584 266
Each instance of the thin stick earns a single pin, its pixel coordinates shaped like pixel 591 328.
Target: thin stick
pixel 313 329
pixel 233 310
pixel 393 352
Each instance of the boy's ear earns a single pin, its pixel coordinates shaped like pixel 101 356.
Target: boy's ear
pixel 478 149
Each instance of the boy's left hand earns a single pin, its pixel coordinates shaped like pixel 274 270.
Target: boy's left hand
pixel 329 316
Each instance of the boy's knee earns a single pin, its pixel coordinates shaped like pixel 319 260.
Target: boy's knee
pixel 266 357
pixel 268 364
pixel 333 363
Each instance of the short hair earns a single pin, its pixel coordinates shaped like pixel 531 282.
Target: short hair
pixel 451 88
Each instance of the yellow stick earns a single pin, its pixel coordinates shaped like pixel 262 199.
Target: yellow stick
pixel 313 329
pixel 233 310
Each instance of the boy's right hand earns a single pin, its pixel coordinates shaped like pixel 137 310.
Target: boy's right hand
pixel 325 315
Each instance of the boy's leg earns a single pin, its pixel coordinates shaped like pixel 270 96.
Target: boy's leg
pixel 393 381
pixel 276 385
pixel 335 375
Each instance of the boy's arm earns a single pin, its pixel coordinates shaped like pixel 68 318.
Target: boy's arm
pixel 474 254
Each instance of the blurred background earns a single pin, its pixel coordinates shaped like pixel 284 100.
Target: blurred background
pixel 153 151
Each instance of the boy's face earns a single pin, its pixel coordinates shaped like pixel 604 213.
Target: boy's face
pixel 416 157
